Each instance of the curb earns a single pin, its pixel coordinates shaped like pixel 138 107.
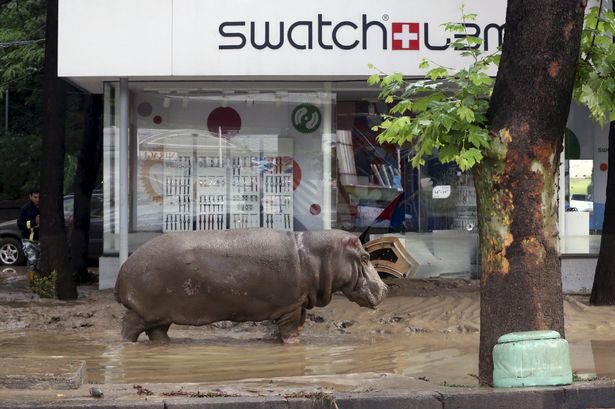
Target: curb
pixel 579 396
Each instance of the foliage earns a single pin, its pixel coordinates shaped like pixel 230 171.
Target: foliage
pixel 22 53
pixel 70 169
pixel 19 165
pixel 595 80
pixel 447 110
pixel 45 287
pixel 22 33
pixel 20 157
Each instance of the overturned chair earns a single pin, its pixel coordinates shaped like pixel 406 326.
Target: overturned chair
pixel 389 256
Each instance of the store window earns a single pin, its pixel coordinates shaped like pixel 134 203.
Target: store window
pixel 583 194
pixel 288 156
pixel 204 156
pixel 369 173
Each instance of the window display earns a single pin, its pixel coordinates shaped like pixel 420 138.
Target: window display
pixel 278 198
pixel 178 196
pixel 211 193
pixel 245 192
pixel 228 192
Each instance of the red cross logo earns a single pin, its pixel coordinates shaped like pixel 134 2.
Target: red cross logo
pixel 405 36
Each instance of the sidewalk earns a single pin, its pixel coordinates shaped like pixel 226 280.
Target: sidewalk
pixel 414 394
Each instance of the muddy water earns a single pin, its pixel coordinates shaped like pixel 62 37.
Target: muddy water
pixel 449 360
pixel 220 359
pixel 424 329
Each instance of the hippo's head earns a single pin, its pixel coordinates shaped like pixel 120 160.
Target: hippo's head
pixel 364 285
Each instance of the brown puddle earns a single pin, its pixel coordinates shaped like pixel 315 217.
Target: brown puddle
pixel 438 359
pixel 226 359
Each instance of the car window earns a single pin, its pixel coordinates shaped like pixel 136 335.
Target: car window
pixel 97 205
pixel 96 211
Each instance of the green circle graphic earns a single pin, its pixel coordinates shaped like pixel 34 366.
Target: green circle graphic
pixel 306 118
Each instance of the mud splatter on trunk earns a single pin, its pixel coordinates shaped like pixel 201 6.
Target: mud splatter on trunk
pixel 520 281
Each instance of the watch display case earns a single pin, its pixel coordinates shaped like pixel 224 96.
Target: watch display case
pixel 178 194
pixel 211 193
pixel 218 192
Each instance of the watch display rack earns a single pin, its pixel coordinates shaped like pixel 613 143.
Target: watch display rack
pixel 278 193
pixel 466 210
pixel 244 192
pixel 211 193
pixel 177 199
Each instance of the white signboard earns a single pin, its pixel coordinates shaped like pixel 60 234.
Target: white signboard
pixel 441 192
pixel 276 38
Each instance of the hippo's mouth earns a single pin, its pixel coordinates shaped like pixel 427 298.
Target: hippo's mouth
pixel 368 293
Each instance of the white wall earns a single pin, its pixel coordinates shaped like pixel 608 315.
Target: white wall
pixel 122 38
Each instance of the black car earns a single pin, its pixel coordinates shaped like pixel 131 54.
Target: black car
pixel 11 252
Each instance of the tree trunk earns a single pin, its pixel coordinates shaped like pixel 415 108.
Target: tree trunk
pixel 54 247
pixel 88 165
pixel 603 290
pixel 516 186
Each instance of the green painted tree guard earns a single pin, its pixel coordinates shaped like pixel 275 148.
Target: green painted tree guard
pixel 532 358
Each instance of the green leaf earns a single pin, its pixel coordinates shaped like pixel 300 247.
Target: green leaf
pixel 374 79
pixel 421 104
pixel 465 114
pixel 448 153
pixel 436 73
pixel 453 27
pixel 473 40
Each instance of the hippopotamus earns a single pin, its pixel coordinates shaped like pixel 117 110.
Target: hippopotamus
pixel 197 278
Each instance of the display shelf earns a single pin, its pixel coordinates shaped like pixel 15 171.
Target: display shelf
pixel 245 191
pixel 278 193
pixel 177 198
pixel 219 191
pixel 466 211
pixel 211 193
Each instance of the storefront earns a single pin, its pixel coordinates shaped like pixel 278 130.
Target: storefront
pixel 257 114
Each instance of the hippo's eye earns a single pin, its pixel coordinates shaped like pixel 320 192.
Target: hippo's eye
pixel 365 258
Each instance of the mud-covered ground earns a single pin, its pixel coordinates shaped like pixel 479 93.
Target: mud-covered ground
pixel 438 306
pixel 413 306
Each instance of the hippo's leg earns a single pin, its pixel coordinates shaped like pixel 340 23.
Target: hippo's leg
pixel 288 325
pixel 132 326
pixel 302 319
pixel 158 333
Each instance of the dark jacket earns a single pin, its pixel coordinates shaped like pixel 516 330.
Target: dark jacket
pixel 27 221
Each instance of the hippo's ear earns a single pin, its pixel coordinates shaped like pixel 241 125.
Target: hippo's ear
pixel 352 242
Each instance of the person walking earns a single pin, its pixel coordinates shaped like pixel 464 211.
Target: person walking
pixel 28 222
